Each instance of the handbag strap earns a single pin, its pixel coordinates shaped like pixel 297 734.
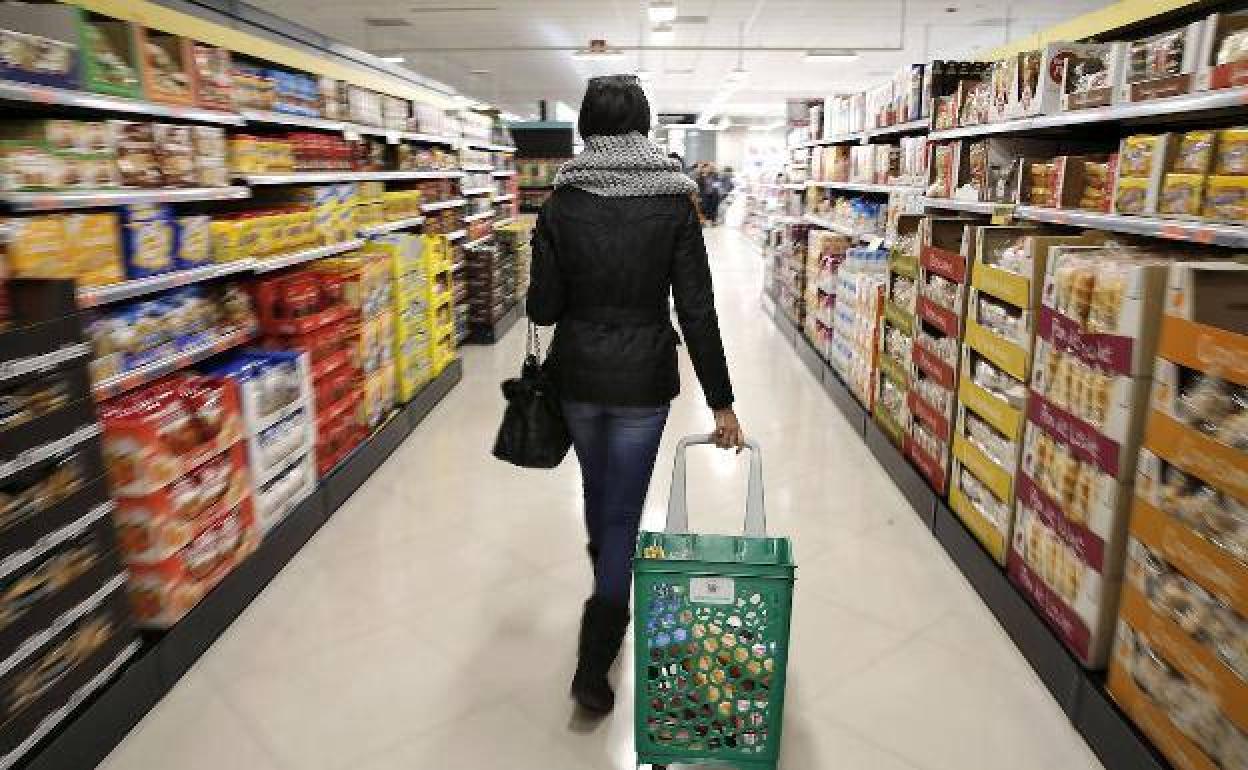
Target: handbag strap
pixel 533 343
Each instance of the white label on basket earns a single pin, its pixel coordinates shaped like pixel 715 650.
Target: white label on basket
pixel 712 590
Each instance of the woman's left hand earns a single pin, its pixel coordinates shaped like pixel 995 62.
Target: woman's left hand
pixel 728 433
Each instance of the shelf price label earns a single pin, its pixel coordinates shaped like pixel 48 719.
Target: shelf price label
pixel 1002 213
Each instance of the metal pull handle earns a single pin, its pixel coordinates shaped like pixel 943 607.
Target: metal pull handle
pixel 677 504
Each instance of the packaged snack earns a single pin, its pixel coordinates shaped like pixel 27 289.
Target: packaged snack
pixel 167 67
pixel 1131 196
pixel 1195 152
pixel 1181 194
pixel 28 493
pixel 1139 154
pixel 108 49
pixel 37 247
pixel 1226 198
pixel 148 246
pixel 194 241
pixel 94 242
pixel 1232 152
pixel 27 165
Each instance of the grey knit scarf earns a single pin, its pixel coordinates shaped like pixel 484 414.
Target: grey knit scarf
pixel 628 164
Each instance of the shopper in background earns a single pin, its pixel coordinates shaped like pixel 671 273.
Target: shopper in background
pixel 708 191
pixel 726 184
pixel 615 239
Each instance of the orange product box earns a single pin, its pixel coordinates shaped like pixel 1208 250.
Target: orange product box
pixel 1201 560
pixel 163 592
pixel 1221 466
pixel 169 68
pixel 165 431
pixel 154 527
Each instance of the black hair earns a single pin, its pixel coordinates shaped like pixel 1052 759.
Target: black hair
pixel 613 105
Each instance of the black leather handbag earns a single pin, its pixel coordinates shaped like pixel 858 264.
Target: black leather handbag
pixel 534 433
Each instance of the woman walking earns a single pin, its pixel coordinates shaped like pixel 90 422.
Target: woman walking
pixel 618 236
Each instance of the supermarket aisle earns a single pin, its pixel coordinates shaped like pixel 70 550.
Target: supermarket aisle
pixel 431 624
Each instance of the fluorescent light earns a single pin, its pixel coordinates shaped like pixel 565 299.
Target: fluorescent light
pixel 394 59
pixel 662 10
pixel 825 55
pixel 662 34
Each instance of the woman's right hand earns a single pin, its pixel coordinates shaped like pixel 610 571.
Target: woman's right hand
pixel 728 433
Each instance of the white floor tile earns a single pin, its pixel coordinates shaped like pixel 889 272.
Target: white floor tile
pixel 432 622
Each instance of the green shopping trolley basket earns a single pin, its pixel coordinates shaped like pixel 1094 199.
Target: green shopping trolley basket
pixel 711 635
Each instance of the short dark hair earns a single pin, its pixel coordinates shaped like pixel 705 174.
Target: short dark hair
pixel 613 105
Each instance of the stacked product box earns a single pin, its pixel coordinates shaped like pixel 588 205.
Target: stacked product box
pixel 1007 279
pixel 364 284
pixel 440 299
pixel 490 275
pixel 178 471
pixel 279 425
pixel 791 283
pixel 514 237
pixel 405 254
pixel 1096 336
pixel 939 310
pixel 66 629
pixel 1195 175
pixel 892 405
pixel 1180 666
pixel 859 307
pixel 827 250
pixel 305 311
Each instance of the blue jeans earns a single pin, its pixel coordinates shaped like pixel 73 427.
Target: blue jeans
pixel 616 447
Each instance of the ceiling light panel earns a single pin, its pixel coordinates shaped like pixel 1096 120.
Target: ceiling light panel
pixel 661 11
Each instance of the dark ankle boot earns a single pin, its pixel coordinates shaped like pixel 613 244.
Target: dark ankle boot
pixel 602 630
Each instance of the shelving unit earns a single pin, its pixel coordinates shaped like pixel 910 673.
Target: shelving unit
pixel 102 295
pixel 332 177
pixel 866 187
pixel 12 91
pixel 300 257
pixel 439 205
pixel 828 224
pixel 479 216
pixel 90 199
pixel 390 227
pixel 129 380
pixel 471 191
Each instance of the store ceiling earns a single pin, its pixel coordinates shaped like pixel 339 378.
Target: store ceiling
pixel 506 51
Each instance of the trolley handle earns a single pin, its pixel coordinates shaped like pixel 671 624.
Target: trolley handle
pixel 677 505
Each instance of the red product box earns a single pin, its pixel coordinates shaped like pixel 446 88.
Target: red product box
pixel 163 592
pixel 319 345
pixel 167 430
pixel 155 527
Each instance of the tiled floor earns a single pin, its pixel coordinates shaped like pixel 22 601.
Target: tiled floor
pixel 432 622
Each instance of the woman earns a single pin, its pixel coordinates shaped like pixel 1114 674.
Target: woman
pixel 617 236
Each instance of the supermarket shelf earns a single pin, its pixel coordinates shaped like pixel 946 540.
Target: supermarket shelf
pixel 455 268
pixel 308 255
pixel 24 92
pixel 264 117
pixel 89 199
pixel 479 241
pixel 1081 694
pixel 837 227
pixel 920 126
pixel 487 146
pixel 332 177
pixel 476 191
pixel 416 136
pixel 502 198
pixel 390 227
pixel 439 205
pixel 488 334
pixel 794 185
pixel 866 187
pixel 480 215
pixel 477 167
pixel 1189 106
pixel 953 204
pixel 117 384
pixel 503 172
pixel 19 367
pixel 455 235
pixel 96 729
pixel 504 222
pixel 854 138
pixel 101 295
pixel 1235 236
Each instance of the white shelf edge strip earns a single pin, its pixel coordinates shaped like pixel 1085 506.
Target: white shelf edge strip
pixel 455 235
pixel 70 199
pixel 309 177
pixel 34 94
pixel 504 172
pixel 439 205
pixel 390 227
pixel 44 451
pixel 133 378
pixel 502 198
pixel 476 191
pixel 481 215
pixel 478 241
pixel 100 295
pixel 52 359
pixel 299 257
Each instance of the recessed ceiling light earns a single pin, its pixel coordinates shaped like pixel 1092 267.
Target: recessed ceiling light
pixel 825 55
pixel 661 10
pixel 479 72
pixel 951 9
pixel 389 22
pixel 394 59
pixel 598 50
pixel 737 76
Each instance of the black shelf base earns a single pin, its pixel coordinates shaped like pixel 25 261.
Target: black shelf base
pixel 1080 693
pixel 488 334
pixel 96 729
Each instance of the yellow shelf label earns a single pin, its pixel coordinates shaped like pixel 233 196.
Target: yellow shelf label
pixel 1002 284
pixel 996 478
pixel 983 530
pixel 998 413
pixel 1007 355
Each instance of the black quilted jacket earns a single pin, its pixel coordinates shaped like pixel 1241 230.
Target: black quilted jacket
pixel 603 269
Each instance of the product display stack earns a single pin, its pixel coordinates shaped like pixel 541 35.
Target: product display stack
pixel 491 284
pixel 860 290
pixel 940 308
pixel 304 310
pixel 363 282
pixel 514 238
pixel 439 303
pixel 1007 279
pixel 67 630
pixel 405 255
pixel 1180 663
pixel 1097 334
pixel 279 426
pixel 178 469
pixel 892 404
pixel 825 255
pixel 790 272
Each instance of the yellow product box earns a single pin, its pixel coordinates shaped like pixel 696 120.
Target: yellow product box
pixel 94 242
pixel 1132 196
pixel 1226 199
pixel 1006 354
pixel 1232 153
pixel 194 242
pixel 37 247
pixel 1181 195
pixel 227 240
pixel 371 191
